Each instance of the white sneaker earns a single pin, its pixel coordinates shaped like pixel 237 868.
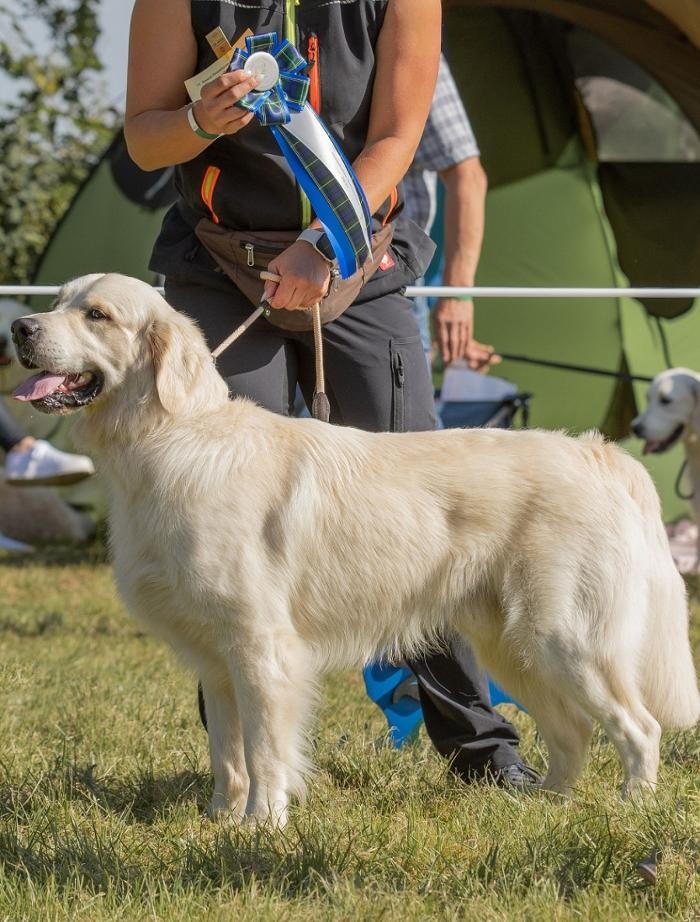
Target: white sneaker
pixel 44 465
pixel 14 547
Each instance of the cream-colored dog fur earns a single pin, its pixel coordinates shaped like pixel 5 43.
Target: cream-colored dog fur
pixel 265 549
pixel 673 413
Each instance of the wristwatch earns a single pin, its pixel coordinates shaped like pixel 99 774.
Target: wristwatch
pixel 320 242
pixel 200 132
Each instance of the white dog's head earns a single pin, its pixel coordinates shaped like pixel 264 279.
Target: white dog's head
pixel 673 408
pixel 114 342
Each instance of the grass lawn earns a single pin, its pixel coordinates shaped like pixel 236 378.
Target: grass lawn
pixel 104 780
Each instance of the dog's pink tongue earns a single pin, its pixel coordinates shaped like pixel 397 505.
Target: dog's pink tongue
pixel 38 386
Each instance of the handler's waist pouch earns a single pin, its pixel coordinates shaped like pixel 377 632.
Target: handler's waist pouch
pixel 242 255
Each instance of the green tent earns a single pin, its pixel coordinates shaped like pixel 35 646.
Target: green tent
pixel 111 224
pixel 587 115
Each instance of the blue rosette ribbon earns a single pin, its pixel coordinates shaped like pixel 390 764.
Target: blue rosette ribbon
pixel 318 163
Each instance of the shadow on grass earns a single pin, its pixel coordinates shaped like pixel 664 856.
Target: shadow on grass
pixel 144 798
pixel 123 855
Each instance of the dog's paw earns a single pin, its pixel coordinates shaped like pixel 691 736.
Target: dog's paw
pixel 222 810
pixel 274 818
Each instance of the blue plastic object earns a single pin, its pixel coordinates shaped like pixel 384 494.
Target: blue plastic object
pixel 405 716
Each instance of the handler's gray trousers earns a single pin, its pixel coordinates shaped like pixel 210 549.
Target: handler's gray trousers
pixel 377 380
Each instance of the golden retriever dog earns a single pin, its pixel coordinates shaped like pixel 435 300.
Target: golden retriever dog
pixel 672 414
pixel 265 549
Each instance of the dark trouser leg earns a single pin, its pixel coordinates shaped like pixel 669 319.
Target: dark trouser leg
pixel 458 715
pixel 10 432
pixel 378 380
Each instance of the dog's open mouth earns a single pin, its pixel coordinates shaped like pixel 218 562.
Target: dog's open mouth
pixel 655 448
pixel 57 392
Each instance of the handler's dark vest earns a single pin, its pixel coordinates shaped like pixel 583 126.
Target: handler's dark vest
pixel 242 181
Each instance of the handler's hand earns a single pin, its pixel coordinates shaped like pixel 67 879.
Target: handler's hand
pixel 480 357
pixel 454 324
pixel 216 112
pixel 305 278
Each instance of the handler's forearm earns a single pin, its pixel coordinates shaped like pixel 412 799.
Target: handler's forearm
pixel 465 197
pixel 381 166
pixel 162 138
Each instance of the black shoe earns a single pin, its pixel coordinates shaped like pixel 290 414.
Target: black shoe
pixel 517 775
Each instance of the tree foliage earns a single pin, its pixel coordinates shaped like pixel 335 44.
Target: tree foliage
pixel 53 122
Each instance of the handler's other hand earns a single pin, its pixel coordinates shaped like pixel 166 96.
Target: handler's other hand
pixel 480 357
pixel 454 324
pixel 216 112
pixel 454 327
pixel 305 278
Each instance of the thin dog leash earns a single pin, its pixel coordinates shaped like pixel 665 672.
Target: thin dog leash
pixel 320 407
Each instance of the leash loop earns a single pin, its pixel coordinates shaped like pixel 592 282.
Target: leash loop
pixel 679 478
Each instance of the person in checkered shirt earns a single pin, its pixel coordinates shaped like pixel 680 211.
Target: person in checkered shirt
pixel 453 689
pixel 448 150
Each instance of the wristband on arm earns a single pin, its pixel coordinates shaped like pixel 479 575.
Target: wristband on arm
pixel 200 132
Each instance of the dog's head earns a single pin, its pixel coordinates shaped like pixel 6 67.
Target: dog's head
pixel 113 341
pixel 673 408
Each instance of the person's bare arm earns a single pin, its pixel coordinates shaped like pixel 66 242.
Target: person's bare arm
pixel 162 55
pixel 465 196
pixel 407 55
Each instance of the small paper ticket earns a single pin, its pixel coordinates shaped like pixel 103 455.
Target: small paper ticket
pixel 218 42
pixel 194 84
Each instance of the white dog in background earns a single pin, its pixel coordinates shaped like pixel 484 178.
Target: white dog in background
pixel 672 415
pixel 264 549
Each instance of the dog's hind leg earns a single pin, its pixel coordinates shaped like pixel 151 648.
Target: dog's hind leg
pixel 607 692
pixel 634 732
pixel 272 675
pixel 225 745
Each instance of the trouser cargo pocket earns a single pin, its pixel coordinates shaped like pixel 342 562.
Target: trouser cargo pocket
pixel 408 383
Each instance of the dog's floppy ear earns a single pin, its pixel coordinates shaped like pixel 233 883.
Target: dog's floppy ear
pixel 177 363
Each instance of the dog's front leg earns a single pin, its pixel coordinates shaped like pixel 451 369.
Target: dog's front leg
pixel 225 746
pixel 272 677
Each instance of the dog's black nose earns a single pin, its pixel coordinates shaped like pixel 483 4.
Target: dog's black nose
pixel 3 344
pixel 638 430
pixel 23 329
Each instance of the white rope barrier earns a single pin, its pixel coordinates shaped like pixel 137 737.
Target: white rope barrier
pixel 437 291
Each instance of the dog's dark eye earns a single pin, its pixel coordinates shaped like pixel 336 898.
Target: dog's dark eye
pixel 665 400
pixel 95 314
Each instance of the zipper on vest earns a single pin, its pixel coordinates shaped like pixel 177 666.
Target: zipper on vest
pixel 250 250
pixel 290 33
pixel 312 49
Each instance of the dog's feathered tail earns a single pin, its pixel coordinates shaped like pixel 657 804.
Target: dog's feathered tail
pixel 667 673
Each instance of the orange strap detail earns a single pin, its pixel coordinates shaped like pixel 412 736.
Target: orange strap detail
pixel 313 72
pixel 211 177
pixel 393 202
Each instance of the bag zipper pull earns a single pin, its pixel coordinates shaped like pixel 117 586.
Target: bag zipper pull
pixel 250 250
pixel 335 278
